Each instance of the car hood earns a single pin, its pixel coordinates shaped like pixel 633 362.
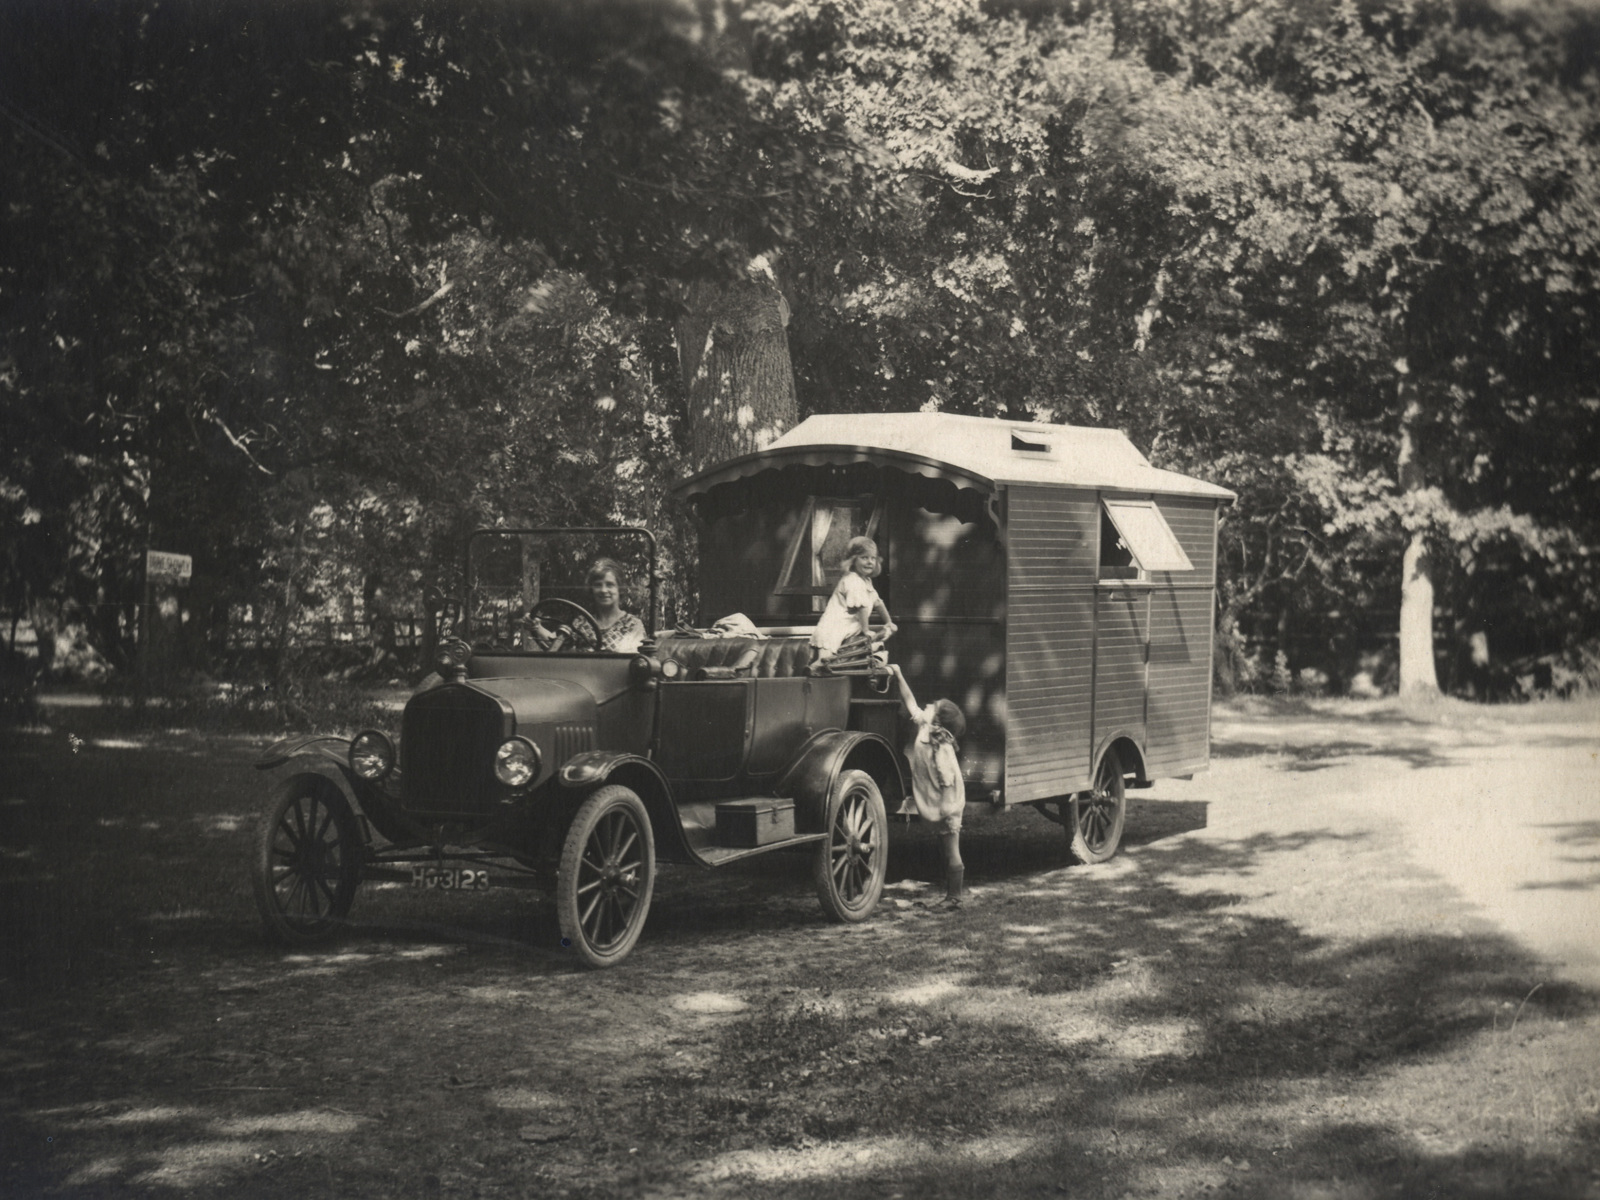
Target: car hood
pixel 540 701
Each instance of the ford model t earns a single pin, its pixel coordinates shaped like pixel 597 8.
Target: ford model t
pixel 1046 578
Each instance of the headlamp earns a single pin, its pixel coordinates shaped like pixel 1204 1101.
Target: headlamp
pixel 371 755
pixel 516 762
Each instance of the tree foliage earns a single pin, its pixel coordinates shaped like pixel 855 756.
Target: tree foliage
pixel 309 291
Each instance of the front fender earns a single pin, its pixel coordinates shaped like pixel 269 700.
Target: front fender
pixel 326 747
pixel 592 767
pixel 588 770
pixel 809 779
pixel 317 754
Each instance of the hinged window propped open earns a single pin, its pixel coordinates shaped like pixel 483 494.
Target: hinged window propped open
pixel 1146 536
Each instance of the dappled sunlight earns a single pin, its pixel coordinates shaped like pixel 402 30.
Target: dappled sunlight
pixel 1261 995
pixel 198 1164
pixel 497 993
pixel 706 1004
pixel 185 1146
pixel 116 743
pixel 861 1158
pixel 526 1099
pixel 332 963
pixel 928 992
pixel 306 1121
pixel 100 1169
pixel 150 1114
pixel 1167 1039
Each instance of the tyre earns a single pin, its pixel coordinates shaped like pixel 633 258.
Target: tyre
pixel 608 872
pixel 852 860
pixel 1095 818
pixel 307 863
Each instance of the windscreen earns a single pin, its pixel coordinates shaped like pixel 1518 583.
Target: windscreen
pixel 523 585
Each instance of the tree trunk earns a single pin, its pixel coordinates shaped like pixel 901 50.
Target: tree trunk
pixel 284 625
pixel 733 348
pixel 1417 674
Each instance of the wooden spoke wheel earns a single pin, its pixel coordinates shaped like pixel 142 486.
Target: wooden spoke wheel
pixel 308 862
pixel 851 862
pixel 1094 819
pixel 608 871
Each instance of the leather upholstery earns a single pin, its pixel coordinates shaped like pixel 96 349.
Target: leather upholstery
pixel 765 658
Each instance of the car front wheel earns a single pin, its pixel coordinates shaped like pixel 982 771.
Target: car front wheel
pixel 608 871
pixel 307 863
pixel 852 860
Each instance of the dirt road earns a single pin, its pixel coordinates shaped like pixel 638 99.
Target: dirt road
pixel 1501 804
pixel 1356 959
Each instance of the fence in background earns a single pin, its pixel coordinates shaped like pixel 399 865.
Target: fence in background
pixel 320 635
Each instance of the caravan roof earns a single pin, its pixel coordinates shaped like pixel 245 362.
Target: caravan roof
pixel 972 451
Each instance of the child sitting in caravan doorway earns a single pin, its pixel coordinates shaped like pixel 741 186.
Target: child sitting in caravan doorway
pixel 853 602
pixel 938 792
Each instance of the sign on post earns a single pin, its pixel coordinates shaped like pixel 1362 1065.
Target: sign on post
pixel 161 567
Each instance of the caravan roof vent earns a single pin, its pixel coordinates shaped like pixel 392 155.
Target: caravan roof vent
pixel 1018 442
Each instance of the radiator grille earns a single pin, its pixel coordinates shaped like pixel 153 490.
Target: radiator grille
pixel 447 745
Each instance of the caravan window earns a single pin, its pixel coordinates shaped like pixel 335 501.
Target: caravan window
pixel 1135 539
pixel 812 564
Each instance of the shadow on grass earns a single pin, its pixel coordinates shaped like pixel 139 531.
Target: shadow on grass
pixel 1322 755
pixel 1082 1035
pixel 1095 1032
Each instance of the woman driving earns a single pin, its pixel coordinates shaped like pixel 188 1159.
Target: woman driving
pixel 620 631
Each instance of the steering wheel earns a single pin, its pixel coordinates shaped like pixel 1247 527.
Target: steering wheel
pixel 563 615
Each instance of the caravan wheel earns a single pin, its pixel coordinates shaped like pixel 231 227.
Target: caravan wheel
pixel 1095 818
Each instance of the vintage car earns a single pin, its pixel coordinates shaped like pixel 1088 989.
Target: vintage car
pixel 546 762
pixel 1047 578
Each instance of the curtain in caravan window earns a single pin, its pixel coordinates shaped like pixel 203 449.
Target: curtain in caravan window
pixel 814 560
pixel 1147 535
pixel 821 523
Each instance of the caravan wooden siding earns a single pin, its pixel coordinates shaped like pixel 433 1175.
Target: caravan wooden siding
pixel 1121 632
pixel 1052 560
pixel 1048 693
pixel 1052 537
pixel 1180 681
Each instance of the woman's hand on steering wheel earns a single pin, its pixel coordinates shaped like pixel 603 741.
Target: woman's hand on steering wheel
pixel 563 615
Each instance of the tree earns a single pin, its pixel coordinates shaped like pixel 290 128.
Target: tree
pixel 1427 224
pixel 420 266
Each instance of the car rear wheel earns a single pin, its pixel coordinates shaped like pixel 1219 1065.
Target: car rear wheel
pixel 852 860
pixel 1095 818
pixel 608 871
pixel 307 863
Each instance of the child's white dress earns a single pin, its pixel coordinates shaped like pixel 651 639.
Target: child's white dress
pixel 838 621
pixel 937 789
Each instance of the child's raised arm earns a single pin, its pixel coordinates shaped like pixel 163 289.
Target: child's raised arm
pixel 906 696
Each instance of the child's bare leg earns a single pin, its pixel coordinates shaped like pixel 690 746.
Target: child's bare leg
pixel 954 869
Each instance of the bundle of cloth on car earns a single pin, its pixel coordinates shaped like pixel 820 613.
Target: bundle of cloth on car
pixel 735 625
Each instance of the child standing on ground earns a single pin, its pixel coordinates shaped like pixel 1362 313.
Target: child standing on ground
pixel 853 602
pixel 937 790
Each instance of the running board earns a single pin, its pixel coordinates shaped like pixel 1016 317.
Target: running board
pixel 715 856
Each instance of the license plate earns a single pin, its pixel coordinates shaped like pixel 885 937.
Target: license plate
pixel 450 879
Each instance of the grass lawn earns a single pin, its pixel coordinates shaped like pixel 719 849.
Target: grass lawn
pixel 1279 988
